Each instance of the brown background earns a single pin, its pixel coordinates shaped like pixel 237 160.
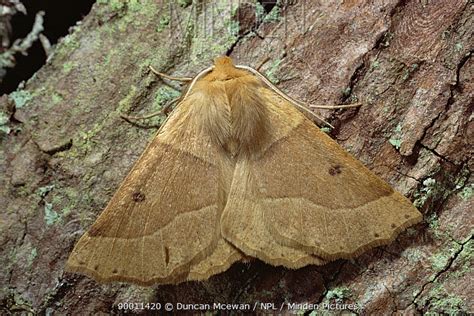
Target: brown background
pixel 409 62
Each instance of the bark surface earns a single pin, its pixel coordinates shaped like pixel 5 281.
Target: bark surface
pixel 64 148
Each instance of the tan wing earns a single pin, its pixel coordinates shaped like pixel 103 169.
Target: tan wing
pixel 311 195
pixel 219 261
pixel 243 224
pixel 164 218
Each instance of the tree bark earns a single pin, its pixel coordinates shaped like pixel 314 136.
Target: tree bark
pixel 65 149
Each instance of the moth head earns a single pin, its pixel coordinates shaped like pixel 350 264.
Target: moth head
pixel 224 69
pixel 223 61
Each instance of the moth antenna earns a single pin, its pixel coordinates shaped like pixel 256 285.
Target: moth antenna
pixel 301 106
pixel 322 120
pixel 330 107
pixel 168 105
pixel 156 72
pixel 160 112
pixel 195 79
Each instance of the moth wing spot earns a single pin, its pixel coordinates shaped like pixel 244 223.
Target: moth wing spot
pixel 167 255
pixel 393 226
pixel 335 170
pixel 114 271
pixel 376 235
pixel 407 216
pixel 138 196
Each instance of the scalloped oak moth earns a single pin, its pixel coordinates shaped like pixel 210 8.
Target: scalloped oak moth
pixel 238 171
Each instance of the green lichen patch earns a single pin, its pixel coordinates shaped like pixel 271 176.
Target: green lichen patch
pixel 32 256
pixel 43 191
pixel 429 189
pixel 433 190
pixel 126 103
pixel 50 216
pixel 62 201
pixel 464 260
pixel 56 98
pixel 67 199
pixel 115 5
pixel 119 5
pixel 233 28
pixel 346 92
pixel 433 224
pixel 4 120
pixel 451 304
pixel 69 43
pixel 395 140
pixel 184 3
pixel 135 5
pixel 442 259
pixel 128 13
pixel 466 192
pixel 274 15
pixel 462 184
pixel 375 65
pixel 407 72
pixel 395 143
pixel 211 37
pixel 164 95
pixel 68 66
pixel 339 294
pixel 20 98
pixel 262 16
pixel 326 130
pixel 83 142
pixel 17 304
pixel 272 70
pixel 259 12
pixel 163 22
pixel 458 47
pixel 413 254
pixel 439 300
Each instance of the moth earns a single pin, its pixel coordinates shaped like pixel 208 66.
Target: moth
pixel 238 171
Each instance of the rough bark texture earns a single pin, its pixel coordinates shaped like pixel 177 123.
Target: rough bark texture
pixel 64 149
